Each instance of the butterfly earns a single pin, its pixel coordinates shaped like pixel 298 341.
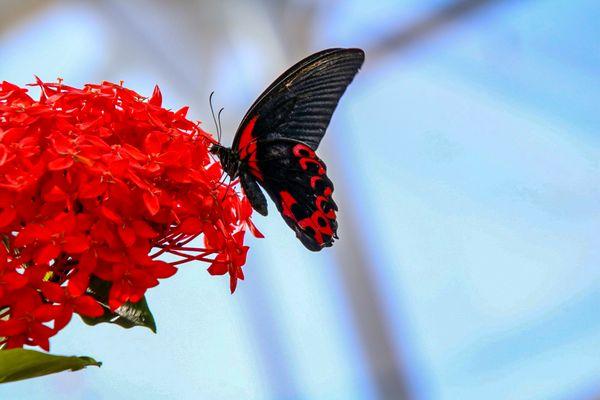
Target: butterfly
pixel 274 146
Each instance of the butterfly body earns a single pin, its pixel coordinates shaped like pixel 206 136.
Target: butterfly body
pixel 274 147
pixel 230 160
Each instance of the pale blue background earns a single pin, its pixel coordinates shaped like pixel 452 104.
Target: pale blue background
pixel 469 160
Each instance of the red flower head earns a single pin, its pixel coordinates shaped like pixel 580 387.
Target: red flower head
pixel 100 182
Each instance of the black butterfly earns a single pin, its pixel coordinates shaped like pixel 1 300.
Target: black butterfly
pixel 276 141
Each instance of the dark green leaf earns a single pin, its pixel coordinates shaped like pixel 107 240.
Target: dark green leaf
pixel 127 316
pixel 18 364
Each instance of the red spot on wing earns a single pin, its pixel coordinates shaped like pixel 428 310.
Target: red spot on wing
pixel 301 150
pixel 287 201
pixel 307 156
pixel 247 148
pixel 322 220
pixel 314 180
pixel 319 222
pixel 304 162
pixel 247 138
pixel 321 201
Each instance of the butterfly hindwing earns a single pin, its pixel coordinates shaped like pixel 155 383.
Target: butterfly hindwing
pixel 277 139
pixel 295 179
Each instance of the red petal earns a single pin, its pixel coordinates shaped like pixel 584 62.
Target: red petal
pixel 232 283
pixel 161 269
pixel 53 292
pixel 156 121
pixel 104 132
pixel 7 216
pixel 60 163
pixel 119 167
pixel 88 261
pixel 12 327
pixel 63 318
pixel 47 312
pixel 43 342
pixel 191 226
pixel 78 283
pixel 90 189
pixel 62 144
pixel 105 272
pixel 76 244
pixel 154 141
pixel 254 230
pixel 14 280
pixel 218 268
pixel 3 154
pixel 151 203
pixel 156 99
pixel 170 158
pixel 15 342
pixel 40 334
pixel 116 296
pixel 111 215
pixel 142 229
pixel 134 152
pixel 127 235
pixel 138 181
pixel 182 112
pixel 47 253
pixel 30 234
pixel 29 299
pixel 87 306
pixel 54 194
pixel 90 124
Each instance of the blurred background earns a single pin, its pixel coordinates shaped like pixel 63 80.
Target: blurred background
pixel 466 162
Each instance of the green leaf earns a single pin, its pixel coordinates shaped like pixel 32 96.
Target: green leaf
pixel 126 316
pixel 18 364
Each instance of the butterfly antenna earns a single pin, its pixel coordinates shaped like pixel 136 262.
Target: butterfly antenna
pixel 212 111
pixel 220 129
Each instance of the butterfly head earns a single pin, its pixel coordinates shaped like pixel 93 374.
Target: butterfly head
pixel 229 159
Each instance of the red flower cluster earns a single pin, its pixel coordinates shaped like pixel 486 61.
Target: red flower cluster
pixel 100 182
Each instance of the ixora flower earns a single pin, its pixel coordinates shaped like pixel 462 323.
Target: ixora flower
pixel 96 184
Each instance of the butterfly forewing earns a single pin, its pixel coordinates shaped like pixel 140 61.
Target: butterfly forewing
pixel 300 103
